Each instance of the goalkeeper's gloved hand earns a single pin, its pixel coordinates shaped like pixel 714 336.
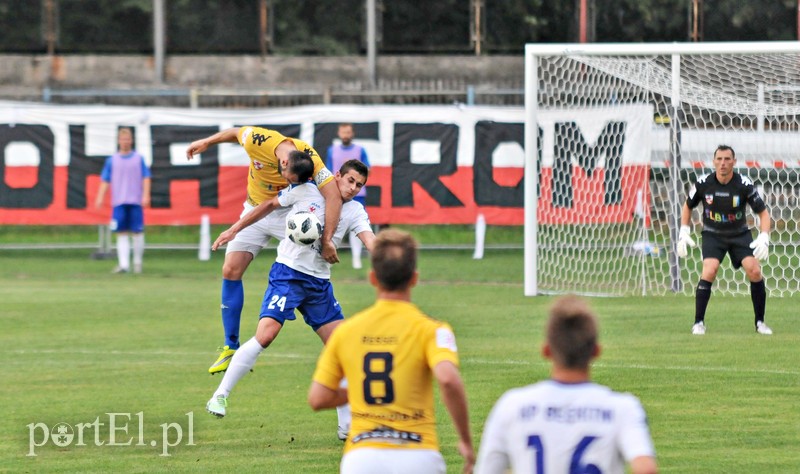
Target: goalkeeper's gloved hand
pixel 684 240
pixel 760 246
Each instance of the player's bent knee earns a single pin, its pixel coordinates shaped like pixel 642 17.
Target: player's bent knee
pixel 267 331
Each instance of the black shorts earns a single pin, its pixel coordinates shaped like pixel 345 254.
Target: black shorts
pixel 716 246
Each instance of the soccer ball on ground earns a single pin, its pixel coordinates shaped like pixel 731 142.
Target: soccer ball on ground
pixel 303 228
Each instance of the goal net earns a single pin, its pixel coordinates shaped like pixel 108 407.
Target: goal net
pixel 615 134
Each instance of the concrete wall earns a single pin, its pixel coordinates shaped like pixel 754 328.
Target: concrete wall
pixel 30 72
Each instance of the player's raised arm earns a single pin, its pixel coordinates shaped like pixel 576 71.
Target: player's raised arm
pixel 248 219
pixel 199 146
pixel 333 209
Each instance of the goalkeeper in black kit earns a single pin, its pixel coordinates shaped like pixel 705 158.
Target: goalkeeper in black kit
pixel 725 195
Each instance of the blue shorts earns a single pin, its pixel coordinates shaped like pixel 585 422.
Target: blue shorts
pixel 127 218
pixel 289 290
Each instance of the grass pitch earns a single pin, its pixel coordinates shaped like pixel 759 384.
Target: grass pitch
pixel 79 344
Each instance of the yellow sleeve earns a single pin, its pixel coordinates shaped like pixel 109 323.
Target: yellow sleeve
pixel 441 345
pixel 329 370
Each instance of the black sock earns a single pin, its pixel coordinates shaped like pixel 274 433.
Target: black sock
pixel 702 295
pixel 758 293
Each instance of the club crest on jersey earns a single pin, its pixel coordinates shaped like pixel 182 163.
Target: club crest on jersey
pixel 709 199
pixel 258 165
pixel 736 201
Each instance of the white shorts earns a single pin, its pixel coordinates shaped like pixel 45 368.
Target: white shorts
pixel 255 237
pixel 392 461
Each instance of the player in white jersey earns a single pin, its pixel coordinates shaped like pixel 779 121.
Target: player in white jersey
pixel 300 277
pixel 567 424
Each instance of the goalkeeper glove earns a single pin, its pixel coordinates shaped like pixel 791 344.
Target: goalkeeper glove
pixel 684 240
pixel 760 246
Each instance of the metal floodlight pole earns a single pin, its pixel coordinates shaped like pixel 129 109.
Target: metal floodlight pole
pixel 371 41
pixel 159 39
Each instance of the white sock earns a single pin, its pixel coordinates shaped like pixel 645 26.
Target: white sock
pixel 343 411
pixel 138 248
pixel 242 361
pixel 355 248
pixel 124 251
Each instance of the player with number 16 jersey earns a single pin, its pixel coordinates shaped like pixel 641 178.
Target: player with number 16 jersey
pixel 553 427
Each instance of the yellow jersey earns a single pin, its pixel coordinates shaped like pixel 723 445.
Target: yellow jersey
pixel 387 353
pixel 264 182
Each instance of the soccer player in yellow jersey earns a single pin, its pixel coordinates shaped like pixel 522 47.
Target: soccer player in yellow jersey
pixel 269 173
pixel 390 354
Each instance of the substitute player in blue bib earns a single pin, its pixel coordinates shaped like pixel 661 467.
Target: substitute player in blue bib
pixel 299 278
pixel 129 177
pixel 725 195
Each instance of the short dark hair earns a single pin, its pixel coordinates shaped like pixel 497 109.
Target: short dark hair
pixel 725 148
pixel 572 332
pixel 301 164
pixel 394 259
pixel 357 165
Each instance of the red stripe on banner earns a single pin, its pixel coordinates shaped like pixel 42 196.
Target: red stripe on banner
pixel 587 200
pixel 588 194
pixel 185 209
pixel 21 177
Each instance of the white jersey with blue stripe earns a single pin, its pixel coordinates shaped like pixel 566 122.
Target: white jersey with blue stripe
pixel 307 258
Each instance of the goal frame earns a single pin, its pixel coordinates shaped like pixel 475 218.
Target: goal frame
pixel 675 50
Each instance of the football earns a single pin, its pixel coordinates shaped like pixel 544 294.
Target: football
pixel 303 228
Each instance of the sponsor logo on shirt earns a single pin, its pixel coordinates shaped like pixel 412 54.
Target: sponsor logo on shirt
pixel 258 138
pixel 388 434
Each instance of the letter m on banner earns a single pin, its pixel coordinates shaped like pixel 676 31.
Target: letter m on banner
pixel 594 164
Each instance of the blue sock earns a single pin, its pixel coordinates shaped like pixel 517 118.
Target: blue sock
pixel 232 303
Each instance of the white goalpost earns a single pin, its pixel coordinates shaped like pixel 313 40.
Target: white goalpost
pixel 615 134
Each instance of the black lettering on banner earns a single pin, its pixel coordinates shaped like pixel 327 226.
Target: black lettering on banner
pixel 163 172
pixel 326 132
pixel 488 136
pixel 40 195
pixel 81 166
pixel 570 143
pixel 405 173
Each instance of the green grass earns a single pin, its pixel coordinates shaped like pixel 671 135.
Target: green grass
pixel 79 343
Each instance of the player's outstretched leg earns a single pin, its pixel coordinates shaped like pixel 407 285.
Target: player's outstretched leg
pixel 231 308
pixel 242 362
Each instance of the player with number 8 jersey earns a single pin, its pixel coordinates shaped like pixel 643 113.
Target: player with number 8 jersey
pixel 390 354
pixel 392 405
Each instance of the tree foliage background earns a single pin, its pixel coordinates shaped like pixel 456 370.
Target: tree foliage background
pixel 337 27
